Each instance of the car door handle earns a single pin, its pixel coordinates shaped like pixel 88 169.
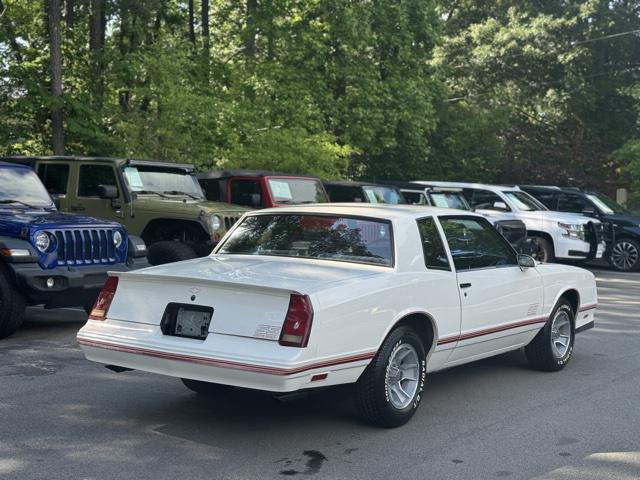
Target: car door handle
pixel 465 285
pixel 77 208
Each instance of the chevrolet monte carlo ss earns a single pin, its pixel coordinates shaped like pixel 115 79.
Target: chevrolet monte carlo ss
pixel 311 296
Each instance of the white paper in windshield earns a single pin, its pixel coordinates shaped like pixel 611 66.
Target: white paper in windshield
pixel 280 190
pixel 371 195
pixel 133 177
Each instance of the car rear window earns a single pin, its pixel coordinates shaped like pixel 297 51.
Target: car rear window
pixel 326 237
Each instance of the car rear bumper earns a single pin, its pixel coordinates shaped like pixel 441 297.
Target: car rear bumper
pixel 216 359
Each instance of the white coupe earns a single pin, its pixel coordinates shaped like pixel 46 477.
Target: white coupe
pixel 318 295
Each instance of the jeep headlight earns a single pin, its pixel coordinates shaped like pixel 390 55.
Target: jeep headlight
pixel 43 241
pixel 117 239
pixel 216 223
pixel 574 231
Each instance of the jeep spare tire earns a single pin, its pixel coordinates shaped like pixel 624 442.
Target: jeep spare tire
pixel 169 252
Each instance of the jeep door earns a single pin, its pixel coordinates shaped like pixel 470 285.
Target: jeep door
pixel 501 303
pixel 86 198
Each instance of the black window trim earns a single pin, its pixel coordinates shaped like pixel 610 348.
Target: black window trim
pixel 313 214
pixel 445 244
pixel 504 241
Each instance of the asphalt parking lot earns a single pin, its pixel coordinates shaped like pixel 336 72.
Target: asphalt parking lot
pixel 62 417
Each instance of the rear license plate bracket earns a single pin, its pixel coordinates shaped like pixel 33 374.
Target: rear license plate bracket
pixel 187 321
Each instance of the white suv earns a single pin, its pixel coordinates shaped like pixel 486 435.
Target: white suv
pixel 561 235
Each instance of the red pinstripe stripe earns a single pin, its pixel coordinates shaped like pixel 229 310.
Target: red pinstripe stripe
pixel 489 331
pixel 589 306
pixel 224 363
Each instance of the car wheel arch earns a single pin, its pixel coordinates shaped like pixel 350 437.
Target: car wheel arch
pixel 424 325
pixel 150 232
pixel 545 235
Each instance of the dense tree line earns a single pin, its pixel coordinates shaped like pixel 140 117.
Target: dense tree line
pixel 537 92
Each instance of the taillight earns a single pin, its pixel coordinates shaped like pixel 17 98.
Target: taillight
pixel 101 307
pixel 297 324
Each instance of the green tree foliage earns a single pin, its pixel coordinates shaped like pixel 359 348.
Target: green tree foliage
pixel 538 92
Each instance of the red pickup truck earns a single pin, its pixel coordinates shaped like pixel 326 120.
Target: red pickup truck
pixel 261 189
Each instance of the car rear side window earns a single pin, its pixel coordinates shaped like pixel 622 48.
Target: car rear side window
pixel 484 199
pixel 55 177
pixel 324 237
pixel 435 255
pixel 92 176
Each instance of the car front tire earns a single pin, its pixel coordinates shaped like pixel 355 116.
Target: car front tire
pixel 625 255
pixel 389 391
pixel 552 347
pixel 542 249
pixel 12 306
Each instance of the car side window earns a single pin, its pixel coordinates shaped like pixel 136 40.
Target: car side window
pixel 484 199
pixel 246 192
pixel 568 202
pixel 435 255
pixel 55 177
pixel 92 176
pixel 474 243
pixel 547 199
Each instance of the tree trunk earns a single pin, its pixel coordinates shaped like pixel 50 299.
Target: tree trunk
pixel 54 14
pixel 69 13
pixel 205 26
pixel 192 30
pixel 250 29
pixel 97 22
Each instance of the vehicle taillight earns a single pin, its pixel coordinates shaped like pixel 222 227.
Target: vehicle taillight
pixel 297 324
pixel 101 307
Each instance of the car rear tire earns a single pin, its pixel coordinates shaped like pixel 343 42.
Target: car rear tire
pixel 625 255
pixel 12 306
pixel 552 347
pixel 205 388
pixel 389 391
pixel 169 252
pixel 542 249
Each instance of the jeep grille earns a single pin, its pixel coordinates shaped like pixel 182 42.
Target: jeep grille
pixel 85 246
pixel 230 221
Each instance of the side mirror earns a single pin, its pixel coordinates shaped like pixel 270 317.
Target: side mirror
pixel 589 211
pixel 500 206
pixel 525 261
pixel 108 192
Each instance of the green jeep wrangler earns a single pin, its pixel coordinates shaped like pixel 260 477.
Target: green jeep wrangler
pixel 160 201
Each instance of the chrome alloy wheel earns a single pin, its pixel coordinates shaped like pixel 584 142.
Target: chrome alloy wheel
pixel 402 376
pixel 561 334
pixel 624 255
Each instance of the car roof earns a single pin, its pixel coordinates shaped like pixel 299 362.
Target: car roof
pixel 349 183
pixel 13 165
pixel 220 174
pixel 385 211
pixel 402 184
pixel 30 159
pixel 483 186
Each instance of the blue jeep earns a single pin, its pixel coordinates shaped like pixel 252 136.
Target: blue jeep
pixel 50 258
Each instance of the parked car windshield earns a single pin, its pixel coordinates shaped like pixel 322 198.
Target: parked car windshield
pixel 524 201
pixel 383 195
pixel 449 200
pixel 297 190
pixel 21 186
pixel 162 180
pixel 605 204
pixel 325 237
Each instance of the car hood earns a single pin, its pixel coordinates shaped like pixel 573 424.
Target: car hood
pixel 566 217
pixel 18 219
pixel 185 207
pixel 300 275
pixel 626 219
